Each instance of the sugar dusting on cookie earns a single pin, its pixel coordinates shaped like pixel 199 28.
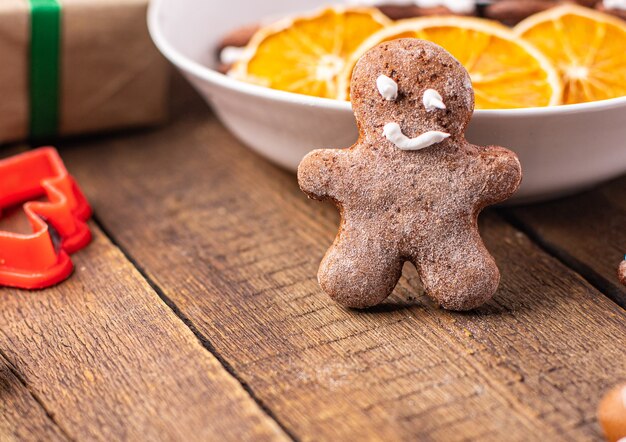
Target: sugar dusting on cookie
pixel 387 88
pixel 621 272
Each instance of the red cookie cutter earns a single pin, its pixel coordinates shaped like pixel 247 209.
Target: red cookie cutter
pixel 41 259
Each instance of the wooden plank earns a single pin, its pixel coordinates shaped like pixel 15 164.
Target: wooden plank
pixel 586 231
pixel 234 244
pixel 22 417
pixel 110 361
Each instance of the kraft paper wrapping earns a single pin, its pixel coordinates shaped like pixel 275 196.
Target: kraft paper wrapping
pixel 112 76
pixel 14 33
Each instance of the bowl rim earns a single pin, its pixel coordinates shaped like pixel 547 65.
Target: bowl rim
pixel 211 75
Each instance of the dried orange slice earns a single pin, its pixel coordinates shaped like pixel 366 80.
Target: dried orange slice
pixel 506 71
pixel 587 47
pixel 305 54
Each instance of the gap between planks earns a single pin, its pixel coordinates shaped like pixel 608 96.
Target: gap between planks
pixel 189 324
pixel 32 403
pixel 204 341
pixel 597 280
pixel 9 150
pixel 35 397
pixel 220 280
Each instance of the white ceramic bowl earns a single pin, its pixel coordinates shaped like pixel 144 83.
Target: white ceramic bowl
pixel 562 148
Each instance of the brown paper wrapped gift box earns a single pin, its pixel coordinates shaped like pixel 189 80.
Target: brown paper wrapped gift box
pixel 111 75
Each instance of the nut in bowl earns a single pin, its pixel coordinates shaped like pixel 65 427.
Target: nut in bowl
pixel 562 148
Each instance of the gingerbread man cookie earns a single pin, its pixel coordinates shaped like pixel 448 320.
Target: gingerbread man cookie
pixel 621 271
pixel 411 188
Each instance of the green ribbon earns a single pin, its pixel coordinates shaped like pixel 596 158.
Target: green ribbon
pixel 45 46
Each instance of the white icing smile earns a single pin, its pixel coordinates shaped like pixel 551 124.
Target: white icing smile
pixel 393 133
pixel 432 100
pixel 387 88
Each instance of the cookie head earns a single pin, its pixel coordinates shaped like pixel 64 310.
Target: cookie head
pixel 409 90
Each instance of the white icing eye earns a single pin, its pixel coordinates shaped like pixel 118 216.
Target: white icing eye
pixel 387 88
pixel 432 100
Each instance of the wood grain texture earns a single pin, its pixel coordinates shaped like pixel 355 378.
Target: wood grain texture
pixel 22 417
pixel 234 244
pixel 109 361
pixel 587 231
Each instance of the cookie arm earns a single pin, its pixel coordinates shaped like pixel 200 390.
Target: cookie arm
pixel 319 173
pixel 500 173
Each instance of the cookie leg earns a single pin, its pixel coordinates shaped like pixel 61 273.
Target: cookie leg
pixel 359 271
pixel 459 273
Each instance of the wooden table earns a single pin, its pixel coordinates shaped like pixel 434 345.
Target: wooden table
pixel 195 314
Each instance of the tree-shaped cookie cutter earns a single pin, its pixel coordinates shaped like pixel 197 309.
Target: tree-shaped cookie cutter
pixel 57 211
